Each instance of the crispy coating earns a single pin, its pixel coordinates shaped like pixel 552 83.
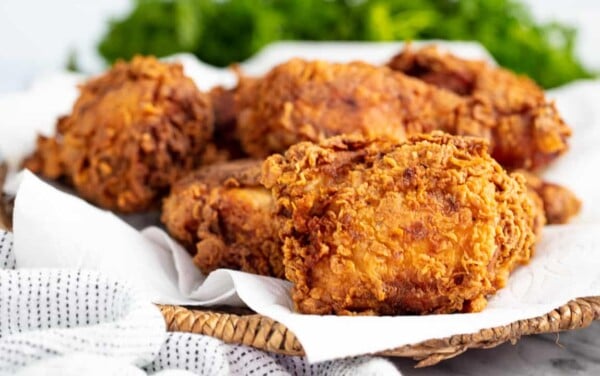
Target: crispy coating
pixel 132 132
pixel 560 204
pixel 527 132
pixel 223 215
pixel 312 100
pixel 431 225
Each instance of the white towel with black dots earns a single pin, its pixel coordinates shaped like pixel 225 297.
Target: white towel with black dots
pixel 72 322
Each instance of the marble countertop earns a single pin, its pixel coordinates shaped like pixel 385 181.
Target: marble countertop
pixel 566 353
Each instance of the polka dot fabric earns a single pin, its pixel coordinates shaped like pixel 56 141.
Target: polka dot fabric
pixel 50 313
pixel 80 322
pixel 7 259
pixel 209 356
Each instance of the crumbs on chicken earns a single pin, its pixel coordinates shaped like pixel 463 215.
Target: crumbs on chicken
pixel 132 132
pixel 559 203
pixel 224 216
pixel 303 100
pixel 430 225
pixel 527 132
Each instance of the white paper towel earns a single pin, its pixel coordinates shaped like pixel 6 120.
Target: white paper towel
pixel 72 233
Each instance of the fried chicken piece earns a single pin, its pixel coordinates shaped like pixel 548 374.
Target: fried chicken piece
pixel 223 101
pixel 560 204
pixel 227 104
pixel 225 135
pixel 309 101
pixel 528 132
pixel 132 132
pixel 223 215
pixel 431 225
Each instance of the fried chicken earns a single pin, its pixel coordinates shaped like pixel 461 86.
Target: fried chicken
pixel 225 135
pixel 132 132
pixel 528 132
pixel 224 216
pixel 310 101
pixel 560 204
pixel 430 225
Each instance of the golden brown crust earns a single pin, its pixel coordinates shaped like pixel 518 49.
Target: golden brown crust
pixel 225 217
pixel 312 100
pixel 527 131
pixel 431 225
pixel 132 132
pixel 560 204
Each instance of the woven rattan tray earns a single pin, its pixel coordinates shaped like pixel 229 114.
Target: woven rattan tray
pixel 243 326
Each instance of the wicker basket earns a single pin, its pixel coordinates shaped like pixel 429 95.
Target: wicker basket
pixel 242 326
pixel 263 333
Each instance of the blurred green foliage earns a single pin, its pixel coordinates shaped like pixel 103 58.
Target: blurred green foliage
pixel 221 32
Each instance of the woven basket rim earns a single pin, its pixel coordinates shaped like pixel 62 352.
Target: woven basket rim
pixel 261 332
